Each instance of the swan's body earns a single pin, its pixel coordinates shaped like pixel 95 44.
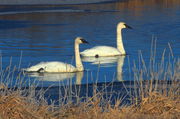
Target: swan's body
pixel 101 51
pixel 54 66
pixel 107 50
pixel 60 66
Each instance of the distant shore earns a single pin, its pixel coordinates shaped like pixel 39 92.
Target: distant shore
pixel 43 2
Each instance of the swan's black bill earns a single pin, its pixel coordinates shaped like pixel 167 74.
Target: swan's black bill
pixel 127 26
pixel 84 41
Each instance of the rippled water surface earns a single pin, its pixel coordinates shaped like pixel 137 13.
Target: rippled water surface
pixel 31 34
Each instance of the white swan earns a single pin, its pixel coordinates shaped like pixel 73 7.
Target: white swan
pixel 60 66
pixel 107 50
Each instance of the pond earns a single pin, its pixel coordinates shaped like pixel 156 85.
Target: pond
pixel 32 34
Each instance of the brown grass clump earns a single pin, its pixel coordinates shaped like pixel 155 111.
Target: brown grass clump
pixel 155 106
pixel 14 106
pixel 160 105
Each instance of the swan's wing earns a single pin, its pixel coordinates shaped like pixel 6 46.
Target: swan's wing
pixel 101 51
pixel 52 67
pixel 36 67
pixel 59 67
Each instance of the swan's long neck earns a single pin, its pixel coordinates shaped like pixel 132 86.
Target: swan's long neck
pixel 79 65
pixel 120 45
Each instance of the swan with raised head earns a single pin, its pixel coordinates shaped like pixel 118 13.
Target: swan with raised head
pixel 56 66
pixel 108 50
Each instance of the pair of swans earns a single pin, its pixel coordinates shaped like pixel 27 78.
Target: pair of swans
pixel 104 61
pixel 95 52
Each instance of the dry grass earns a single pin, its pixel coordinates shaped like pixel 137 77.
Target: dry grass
pixel 154 106
pixel 18 107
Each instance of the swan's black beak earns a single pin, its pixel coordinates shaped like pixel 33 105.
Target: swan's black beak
pixel 84 41
pixel 127 26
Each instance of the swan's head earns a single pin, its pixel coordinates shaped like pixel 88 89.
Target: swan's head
pixel 122 25
pixel 80 40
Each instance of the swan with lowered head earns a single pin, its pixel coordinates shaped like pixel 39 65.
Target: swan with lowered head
pixel 108 50
pixel 56 66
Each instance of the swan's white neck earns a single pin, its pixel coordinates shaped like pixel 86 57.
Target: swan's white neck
pixel 78 61
pixel 120 45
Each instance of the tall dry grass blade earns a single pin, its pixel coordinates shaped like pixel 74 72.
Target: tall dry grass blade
pixel 171 51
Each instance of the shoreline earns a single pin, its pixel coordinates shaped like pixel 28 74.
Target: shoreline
pixel 52 2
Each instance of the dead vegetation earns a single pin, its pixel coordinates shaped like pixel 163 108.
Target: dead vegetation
pixel 154 106
pixel 18 107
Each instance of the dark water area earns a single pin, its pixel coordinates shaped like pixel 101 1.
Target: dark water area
pixel 30 34
pixel 126 91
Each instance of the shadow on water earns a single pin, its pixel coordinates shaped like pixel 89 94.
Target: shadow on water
pixel 125 91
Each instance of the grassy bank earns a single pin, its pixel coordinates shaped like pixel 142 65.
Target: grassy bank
pixel 156 104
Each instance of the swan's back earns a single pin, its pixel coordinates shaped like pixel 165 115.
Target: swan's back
pixel 52 67
pixel 101 51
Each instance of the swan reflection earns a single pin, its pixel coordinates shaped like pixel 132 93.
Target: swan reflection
pixel 101 60
pixel 57 76
pixel 108 62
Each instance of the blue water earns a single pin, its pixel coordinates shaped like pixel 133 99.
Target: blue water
pixel 31 34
